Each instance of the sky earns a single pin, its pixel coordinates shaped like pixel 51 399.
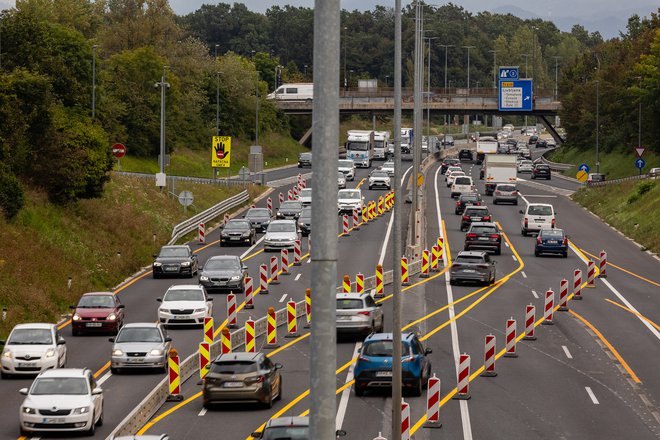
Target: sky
pixel 606 16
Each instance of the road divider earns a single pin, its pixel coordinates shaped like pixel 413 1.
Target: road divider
pixel 208 330
pixel 249 294
pixel 549 306
pixel 405 420
pixel 204 358
pixel 577 284
pixel 602 264
pixel 530 318
pixel 489 356
pixel 231 310
pixel 511 338
pixel 291 320
pixel 463 378
pixel 563 295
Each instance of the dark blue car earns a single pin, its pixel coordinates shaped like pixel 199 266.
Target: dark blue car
pixel 551 241
pixel 374 365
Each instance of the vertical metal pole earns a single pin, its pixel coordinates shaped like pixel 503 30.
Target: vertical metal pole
pixel 93 81
pixel 256 112
pixel 494 68
pixel 163 85
pixel 417 110
pixel 325 123
pixel 428 97
pixel 345 44
pixel 556 79
pixel 397 248
pixel 217 96
pixel 597 126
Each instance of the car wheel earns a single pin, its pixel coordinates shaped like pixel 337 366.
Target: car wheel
pixel 536 253
pixel 114 370
pixel 279 390
pixel 268 403
pixel 523 232
pixel 99 422
pixel 516 202
pixel 418 388
pixel 498 251
pixel 5 375
pixel 75 332
pixel 156 276
pixel 370 187
pixel 359 390
pixel 466 248
pixel 92 430
pixel 381 327
pixel 452 282
pixel 494 202
pixel 23 432
pixel 564 254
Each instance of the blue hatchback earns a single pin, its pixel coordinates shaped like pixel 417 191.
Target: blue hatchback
pixel 374 365
pixel 551 241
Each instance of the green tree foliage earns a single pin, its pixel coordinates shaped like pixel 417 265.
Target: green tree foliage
pixel 11 193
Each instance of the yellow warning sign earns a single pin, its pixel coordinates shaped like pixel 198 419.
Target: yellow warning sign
pixel 581 176
pixel 221 152
pixel 420 179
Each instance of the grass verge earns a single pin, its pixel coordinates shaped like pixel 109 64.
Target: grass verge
pixel 615 164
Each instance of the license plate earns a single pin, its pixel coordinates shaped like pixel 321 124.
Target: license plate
pixel 475 219
pixel 27 364
pixel 180 317
pixel 553 242
pixel 220 283
pixel 233 384
pixel 483 238
pixel 234 238
pixel 343 318
pixel 54 420
pixel 540 220
pixel 93 324
pixel 468 270
pixel 135 360
pixel 383 374
pixel 170 269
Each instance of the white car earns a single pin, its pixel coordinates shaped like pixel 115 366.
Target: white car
pixel 525 166
pixel 347 166
pixel 389 167
pixel 65 399
pixel 379 178
pixel 305 196
pixel 281 234
pixel 341 180
pixel 462 184
pixel 453 176
pixel 451 170
pixel 349 200
pixel 537 216
pixel 185 304
pixel 31 349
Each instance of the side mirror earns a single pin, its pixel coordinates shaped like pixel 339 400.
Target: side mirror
pixel 279 366
pixel 520 211
pixel 121 306
pixel 111 339
pixel 257 434
pixel 72 307
pixel 61 341
pixel 168 339
pixel 159 300
pixel 340 433
pixel 428 351
pixel 209 299
pixel 97 391
pixel 23 391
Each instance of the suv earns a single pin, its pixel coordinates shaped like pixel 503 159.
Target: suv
pixel 97 312
pixel 380 178
pixel 484 235
pixel 465 154
pixel 541 171
pixel 505 192
pixel 474 214
pixel 223 273
pixel 349 200
pixel 305 160
pixel 466 199
pixel 537 216
pixel 175 260
pixel 472 266
pixel 447 141
pixel 462 184
pixel 374 365
pixel 293 428
pixel 358 312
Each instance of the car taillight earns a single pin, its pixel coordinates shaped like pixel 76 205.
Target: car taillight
pixel 494 235
pixel 553 223
pixel 458 203
pixel 363 359
pixel 526 222
pixel 539 241
pixel 477 203
pixel 471 235
pixel 497 193
pixel 466 217
pixel 486 218
pixel 515 193
pixel 364 313
pixel 565 241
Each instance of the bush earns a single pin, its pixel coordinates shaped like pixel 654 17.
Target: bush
pixel 11 193
pixel 644 187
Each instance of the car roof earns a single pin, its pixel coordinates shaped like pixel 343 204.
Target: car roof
pixel 484 224
pixel 388 336
pixel 472 254
pixel 64 372
pixel 224 257
pixel 238 356
pixel 185 287
pixel 283 221
pixel 176 246
pixel 288 421
pixel 141 325
pixel 97 294
pixel 473 207
pixel 257 210
pixel 551 230
pixel 352 295
pixel 540 204
pixel 237 220
pixel 34 325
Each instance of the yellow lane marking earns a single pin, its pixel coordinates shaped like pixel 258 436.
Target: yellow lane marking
pixel 253 255
pixel 167 413
pixel 360 184
pixel 101 370
pixel 607 343
pixel 639 315
pixel 622 269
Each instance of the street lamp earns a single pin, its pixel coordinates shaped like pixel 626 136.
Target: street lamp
pixel 597 117
pixel 494 52
pixel 256 110
pixel 446 46
pixel 305 72
pixel 428 89
pixel 217 96
pixel 163 86
pixel 468 66
pixel 345 78
pixel 93 80
pixel 556 83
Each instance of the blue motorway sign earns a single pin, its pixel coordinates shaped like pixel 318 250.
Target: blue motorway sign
pixel 508 72
pixel 584 167
pixel 640 163
pixel 515 95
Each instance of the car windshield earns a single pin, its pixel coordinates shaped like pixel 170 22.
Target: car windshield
pixel 237 225
pixel 552 233
pixel 306 212
pixel 139 334
pixel 184 295
pixel 539 210
pixel 69 386
pixel 469 259
pixel 290 205
pixel 305 155
pixel 525 162
pixel 463 181
pixel 222 264
pixel 257 213
pixel 346 164
pixel 349 303
pixel 383 349
pixel 169 252
pixel 542 167
pixel 350 194
pixel 379 174
pixel 483 230
pixel 31 336
pixel 282 227
pixel 96 302
pixel 287 433
pixel 357 145
pixel 388 165
pixel 234 367
pixel 507 188
pixel 307 192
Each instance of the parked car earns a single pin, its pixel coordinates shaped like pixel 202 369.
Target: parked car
pixel 185 304
pixel 474 214
pixel 140 345
pixel 462 184
pixel 465 200
pixel 484 235
pixel 472 266
pixel 347 166
pixel 31 349
pixel 465 154
pixel 525 166
pixel 373 368
pixel 238 231
pixel 305 221
pixel 541 171
pixel 241 376
pixel 505 192
pixel 537 216
pixel 66 399
pixel 305 160
pixel 97 312
pixel 379 178
pixel 289 209
pixel 175 260
pixel 551 241
pixel 349 200
pixel 341 180
pixel 293 428
pixel 448 162
pixel 358 312
pixel 281 234
pixel 223 273
pixel 259 218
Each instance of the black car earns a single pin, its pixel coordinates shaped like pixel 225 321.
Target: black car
pixel 223 273
pixel 533 140
pixel 541 171
pixel 474 214
pixel 465 154
pixel 237 231
pixel 541 143
pixel 446 163
pixel 259 218
pixel 305 221
pixel 551 241
pixel 289 209
pixel 466 199
pixel 483 235
pixel 305 160
pixel 472 266
pixel 175 260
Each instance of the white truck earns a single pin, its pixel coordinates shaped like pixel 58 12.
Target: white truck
pixel 499 168
pixel 293 92
pixel 381 141
pixel 360 147
pixel 486 145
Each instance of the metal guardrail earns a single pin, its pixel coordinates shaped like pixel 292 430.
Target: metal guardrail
pixel 555 166
pixel 623 179
pixel 214 211
pixel 233 181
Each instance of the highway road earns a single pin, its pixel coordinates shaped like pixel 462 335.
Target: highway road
pixel 593 374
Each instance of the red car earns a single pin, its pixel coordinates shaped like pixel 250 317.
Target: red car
pixel 97 312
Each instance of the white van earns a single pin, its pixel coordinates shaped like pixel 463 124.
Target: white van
pixel 537 216
pixel 293 92
pixel 461 185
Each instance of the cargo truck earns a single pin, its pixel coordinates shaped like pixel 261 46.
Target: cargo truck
pixel 486 145
pixel 499 168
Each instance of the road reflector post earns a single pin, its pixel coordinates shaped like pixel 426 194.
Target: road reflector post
pixel 433 403
pixel 563 295
pixel 290 195
pixel 602 264
pixel 346 284
pixel 204 358
pixel 249 294
pixel 271 329
pixel 291 320
pixel 404 272
pixel 435 254
pixel 249 336
pixel 225 341
pixel 510 338
pixel 174 379
pixel 425 264
pixel 284 256
pixel 201 233
pixel 489 356
pixel 231 310
pixel 530 319
pixel 344 222
pixel 591 274
pixel 380 205
pixel 208 330
pixel 379 282
pixel 356 220
pixel 263 278
pixel 549 307
pixel 405 420
pixel 308 307
pixel 226 218
pixel 269 204
pixel 577 284
pixel 359 283
pixel 463 386
pixel 273 271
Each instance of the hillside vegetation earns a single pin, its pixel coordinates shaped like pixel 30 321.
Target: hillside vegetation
pixel 615 164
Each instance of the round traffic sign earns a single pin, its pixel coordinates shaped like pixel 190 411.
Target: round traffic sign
pixel 640 163
pixel 582 176
pixel 118 151
pixel 186 198
pixel 584 167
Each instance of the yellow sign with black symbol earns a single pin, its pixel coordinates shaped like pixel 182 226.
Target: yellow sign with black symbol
pixel 221 152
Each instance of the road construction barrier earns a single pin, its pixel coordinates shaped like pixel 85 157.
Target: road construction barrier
pixel 371 211
pixel 201 233
pixel 425 264
pixel 356 220
pixel 249 294
pixel 359 283
pixel 441 248
pixel 577 284
pixel 346 284
pixel 274 271
pixel 549 307
pixel 530 319
pixel 510 338
pixel 297 254
pixel 281 198
pixel 602 264
pixel 303 183
pixel 345 225
pixel 379 282
pixel 404 272
pixel 204 358
pixel 208 330
pixel 405 420
pixel 263 278
pixel 231 310
pixel 291 320
pixel 435 254
pixel 308 307
pixel 174 379
pixel 591 274
pixel 271 329
pixel 249 336
pixel 269 204
pixel 489 356
pixel 284 257
pixel 226 218
pixel 563 295
pixel 463 387
pixel 365 215
pixel 433 403
pixel 380 205
pixel 225 341
pixel 290 195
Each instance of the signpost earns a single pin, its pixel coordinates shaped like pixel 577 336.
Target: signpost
pixel 639 151
pixel 186 199
pixel 582 176
pixel 515 95
pixel 640 163
pixel 118 151
pixel 221 152
pixel 584 167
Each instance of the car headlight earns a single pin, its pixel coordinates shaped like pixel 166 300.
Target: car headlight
pixel 203 278
pixel 117 352
pixel 301 224
pixel 163 310
pixel 112 317
pixel 28 410
pixel 236 278
pixel 76 317
pixel 157 264
pixel 7 354
pixel 81 410
pixel 246 234
pixel 199 310
pixel 50 352
pixel 156 352
pixel 185 264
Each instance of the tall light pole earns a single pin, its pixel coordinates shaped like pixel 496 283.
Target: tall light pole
pixel 345 44
pixel 428 89
pixel 305 66
pixel 639 128
pixel 387 80
pixel 93 81
pixel 163 86
pixel 556 94
pixel 494 52
pixel 446 46
pixel 597 116
pixel 217 96
pixel 534 29
pixel 256 110
pixel 468 66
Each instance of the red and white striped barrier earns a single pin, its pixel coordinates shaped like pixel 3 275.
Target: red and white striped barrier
pixel 405 420
pixel 356 220
pixel 269 204
pixel 231 310
pixel 290 195
pixel 359 283
pixel 577 284
pixel 489 356
pixel 201 233
pixel 463 386
pixel 296 253
pixel 433 403
pixel 263 278
pixel 303 183
pixel 530 319
pixel 291 320
pixel 249 294
pixel 563 295
pixel 284 256
pixel 549 307
pixel 345 225
pixel 591 274
pixel 281 198
pixel 510 338
pixel 274 271
pixel 602 264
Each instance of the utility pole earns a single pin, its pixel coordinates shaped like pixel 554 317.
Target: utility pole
pixel 417 108
pixel 526 55
pixel 534 29
pixel 446 46
pixel 468 67
pixel 163 86
pixel 556 97
pixel 345 44
pixel 597 116
pixel 256 112
pixel 428 89
pixel 93 81
pixel 325 123
pixel 494 52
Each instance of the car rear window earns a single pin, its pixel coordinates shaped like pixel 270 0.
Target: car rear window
pixel 234 367
pixel 507 188
pixel 483 230
pixel 552 233
pixel 463 181
pixel 469 259
pixel 470 198
pixel 348 304
pixel 471 211
pixel 542 167
pixel 539 210
pixel 383 349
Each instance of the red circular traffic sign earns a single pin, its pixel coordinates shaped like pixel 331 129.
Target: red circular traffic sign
pixel 118 151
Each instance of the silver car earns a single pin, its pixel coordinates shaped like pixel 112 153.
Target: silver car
pixel 281 234
pixel 32 348
pixel 525 166
pixel 347 166
pixel 505 192
pixel 358 312
pixel 379 178
pixel 341 180
pixel 472 266
pixel 388 167
pixel 140 345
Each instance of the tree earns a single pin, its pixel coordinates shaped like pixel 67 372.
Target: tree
pixel 11 192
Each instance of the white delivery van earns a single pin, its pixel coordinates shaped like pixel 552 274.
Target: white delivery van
pixel 381 142
pixel 462 185
pixel 537 216
pixel 293 92
pixel 360 147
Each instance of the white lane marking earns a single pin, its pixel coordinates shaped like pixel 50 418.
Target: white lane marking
pixel 514 258
pixel 381 258
pixel 103 378
pixel 506 244
pixel 523 274
pixel 202 413
pixel 256 243
pixel 568 353
pixel 592 396
pixel 297 277
pixel 309 260
pixel 465 412
pixel 523 197
pixel 343 403
pixel 283 298
pixel 536 295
